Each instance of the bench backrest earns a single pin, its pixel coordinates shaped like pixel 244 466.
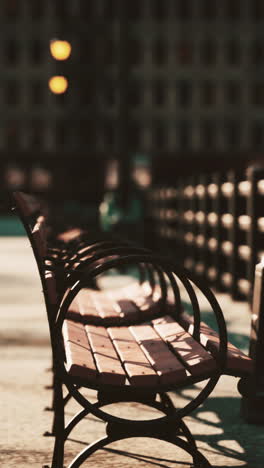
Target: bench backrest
pixel 30 213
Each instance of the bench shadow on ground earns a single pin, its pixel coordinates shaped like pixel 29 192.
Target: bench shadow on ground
pixel 227 437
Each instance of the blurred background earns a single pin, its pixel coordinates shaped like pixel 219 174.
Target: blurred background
pixel 104 101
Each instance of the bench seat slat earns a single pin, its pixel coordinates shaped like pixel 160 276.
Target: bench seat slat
pixel 196 359
pixel 165 363
pixel 237 361
pixel 127 309
pixel 82 306
pixel 106 358
pixel 79 356
pixel 137 366
pixel 104 308
pixel 69 235
pixel 130 291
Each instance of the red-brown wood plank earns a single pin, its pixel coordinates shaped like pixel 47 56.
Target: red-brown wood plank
pixel 237 361
pixel 149 305
pixel 130 291
pixel 104 306
pixel 70 234
pixel 83 305
pixel 165 363
pixel 106 358
pixel 79 356
pixel 127 309
pixel 137 366
pixel 195 357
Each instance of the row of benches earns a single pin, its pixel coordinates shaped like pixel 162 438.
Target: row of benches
pixel 129 344
pixel 217 222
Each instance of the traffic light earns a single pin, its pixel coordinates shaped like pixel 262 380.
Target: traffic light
pixel 60 50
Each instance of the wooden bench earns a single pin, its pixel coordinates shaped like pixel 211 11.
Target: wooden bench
pixel 68 257
pixel 137 363
pixel 133 362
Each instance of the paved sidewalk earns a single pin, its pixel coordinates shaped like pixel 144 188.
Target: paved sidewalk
pixel 221 434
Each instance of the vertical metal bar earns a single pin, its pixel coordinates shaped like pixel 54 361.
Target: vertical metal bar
pixel 233 209
pixel 202 195
pixel 254 210
pixel 217 230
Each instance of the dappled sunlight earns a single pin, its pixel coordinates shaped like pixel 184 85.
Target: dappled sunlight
pixel 209 416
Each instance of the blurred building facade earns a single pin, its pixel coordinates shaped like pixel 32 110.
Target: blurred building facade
pixel 144 76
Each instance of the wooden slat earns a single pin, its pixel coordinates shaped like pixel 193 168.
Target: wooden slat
pixel 104 306
pixel 70 234
pixel 83 306
pixel 137 366
pixel 106 358
pixel 79 356
pixel 192 354
pixel 94 306
pixel 130 291
pixel 127 309
pixel 237 361
pixel 147 305
pixel 165 363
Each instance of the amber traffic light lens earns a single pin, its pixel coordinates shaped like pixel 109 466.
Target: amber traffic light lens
pixel 58 84
pixel 60 50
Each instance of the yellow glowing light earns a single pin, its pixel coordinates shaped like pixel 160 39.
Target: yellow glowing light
pixel 58 84
pixel 60 50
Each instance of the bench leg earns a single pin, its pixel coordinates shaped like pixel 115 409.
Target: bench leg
pixel 252 404
pixel 199 461
pixel 58 453
pixel 123 431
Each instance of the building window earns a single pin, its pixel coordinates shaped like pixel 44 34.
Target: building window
pixel 233 53
pixel 160 52
pixel 208 52
pixel 11 52
pixel 184 94
pixel 208 94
